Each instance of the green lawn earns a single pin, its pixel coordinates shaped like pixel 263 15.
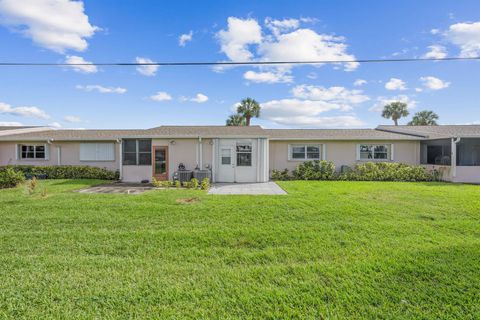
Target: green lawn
pixel 328 250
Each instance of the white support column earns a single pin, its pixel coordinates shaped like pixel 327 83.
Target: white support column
pixel 200 152
pixel 214 158
pixel 59 155
pixel 454 157
pixel 120 159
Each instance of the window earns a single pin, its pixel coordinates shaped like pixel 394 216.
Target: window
pixel 304 152
pixel 97 152
pixel 374 152
pixel 244 154
pixel 468 152
pixel 226 156
pixel 137 152
pixel 33 152
pixel 436 152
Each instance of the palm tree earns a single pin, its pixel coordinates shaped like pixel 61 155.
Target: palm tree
pixel 249 108
pixel 395 111
pixel 424 118
pixel 236 120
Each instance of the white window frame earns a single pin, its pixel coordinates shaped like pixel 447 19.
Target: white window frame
pixel 97 151
pixel 389 146
pixel 46 152
pixel 237 152
pixel 305 146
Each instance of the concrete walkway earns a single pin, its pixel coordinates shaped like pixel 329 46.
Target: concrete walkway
pixel 119 188
pixel 269 188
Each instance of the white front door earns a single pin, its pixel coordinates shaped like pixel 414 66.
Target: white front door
pixel 237 160
pixel 226 164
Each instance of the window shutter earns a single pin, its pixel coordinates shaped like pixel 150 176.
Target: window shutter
pixel 47 152
pixel 391 152
pixel 17 151
pixel 289 152
pixel 358 152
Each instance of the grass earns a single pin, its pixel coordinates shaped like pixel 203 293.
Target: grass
pixel 328 250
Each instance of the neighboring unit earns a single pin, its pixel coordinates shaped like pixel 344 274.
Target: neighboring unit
pixel 243 154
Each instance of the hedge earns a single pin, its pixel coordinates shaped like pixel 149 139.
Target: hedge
pixel 64 172
pixel 10 178
pixel 369 171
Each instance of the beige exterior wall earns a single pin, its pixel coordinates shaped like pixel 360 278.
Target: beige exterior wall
pixel 136 173
pixel 69 155
pixel 341 152
pixel 467 174
pixel 185 151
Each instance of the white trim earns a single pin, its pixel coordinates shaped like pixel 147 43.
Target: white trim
pixel 305 145
pixel 120 159
pixel 200 151
pixel 214 159
pixel 373 145
pixel 59 156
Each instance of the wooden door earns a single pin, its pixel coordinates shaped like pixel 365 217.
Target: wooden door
pixel 160 163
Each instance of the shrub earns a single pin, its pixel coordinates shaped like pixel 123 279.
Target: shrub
pixel 156 183
pixel 178 184
pixel 10 178
pixel 65 172
pixel 387 171
pixel 194 183
pixel 280 175
pixel 187 184
pixel 205 184
pixel 315 170
pixel 32 186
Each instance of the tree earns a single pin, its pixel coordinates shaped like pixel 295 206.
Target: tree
pixel 424 118
pixel 236 120
pixel 395 111
pixel 249 108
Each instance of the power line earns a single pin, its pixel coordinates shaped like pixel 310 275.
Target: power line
pixel 228 63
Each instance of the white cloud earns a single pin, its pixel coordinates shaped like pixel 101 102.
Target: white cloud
pixel 418 89
pixel 280 26
pixel 343 98
pixel 305 113
pixel 359 82
pixel 101 89
pixel 433 83
pixel 10 124
pixel 436 52
pixel 466 36
pixel 146 70
pixel 268 77
pixel 435 31
pixel 382 101
pixel 184 38
pixel 57 25
pixel 239 35
pixel 306 45
pixel 83 67
pixel 72 119
pixel 55 125
pixel 395 84
pixel 281 40
pixel 199 98
pixel 161 96
pixel 312 75
pixel 31 112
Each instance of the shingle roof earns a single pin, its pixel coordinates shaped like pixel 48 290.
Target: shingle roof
pixel 3 128
pixel 336 134
pixel 67 135
pixel 436 132
pixel 206 131
pixel 381 133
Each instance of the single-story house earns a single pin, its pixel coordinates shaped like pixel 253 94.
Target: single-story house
pixel 244 154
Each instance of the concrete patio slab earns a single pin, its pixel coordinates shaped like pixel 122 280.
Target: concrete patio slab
pixel 118 188
pixel 265 188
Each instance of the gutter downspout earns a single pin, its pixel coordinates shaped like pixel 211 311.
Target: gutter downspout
pixel 120 160
pixel 455 141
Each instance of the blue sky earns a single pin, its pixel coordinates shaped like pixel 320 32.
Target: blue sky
pixel 294 96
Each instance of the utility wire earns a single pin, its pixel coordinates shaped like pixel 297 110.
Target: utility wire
pixel 231 63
